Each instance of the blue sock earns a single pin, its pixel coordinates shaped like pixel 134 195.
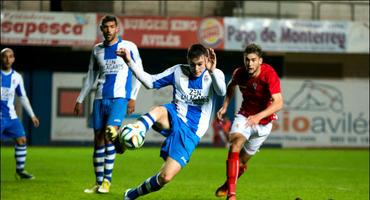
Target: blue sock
pixel 98 157
pixel 20 156
pixel 149 185
pixel 109 161
pixel 146 121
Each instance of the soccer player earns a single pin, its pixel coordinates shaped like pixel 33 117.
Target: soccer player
pixel 11 127
pixel 115 96
pixel 183 121
pixel 260 86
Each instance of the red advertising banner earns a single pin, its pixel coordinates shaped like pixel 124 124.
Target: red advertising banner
pixel 48 28
pixel 171 32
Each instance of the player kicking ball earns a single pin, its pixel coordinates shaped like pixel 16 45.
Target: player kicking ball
pixel 184 121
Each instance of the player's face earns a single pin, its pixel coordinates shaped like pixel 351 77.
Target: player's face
pixel 197 65
pixel 252 63
pixel 110 31
pixel 7 59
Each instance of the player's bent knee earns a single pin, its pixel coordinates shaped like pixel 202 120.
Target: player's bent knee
pixel 164 178
pixel 21 141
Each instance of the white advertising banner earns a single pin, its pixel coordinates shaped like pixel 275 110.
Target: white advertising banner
pixel 48 28
pixel 297 35
pixel 322 113
pixel 70 127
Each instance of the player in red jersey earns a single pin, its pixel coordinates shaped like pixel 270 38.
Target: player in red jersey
pixel 260 87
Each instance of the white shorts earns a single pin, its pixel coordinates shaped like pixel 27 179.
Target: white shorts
pixel 255 135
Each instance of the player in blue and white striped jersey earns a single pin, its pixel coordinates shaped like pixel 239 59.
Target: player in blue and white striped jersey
pixel 115 97
pixel 11 127
pixel 183 121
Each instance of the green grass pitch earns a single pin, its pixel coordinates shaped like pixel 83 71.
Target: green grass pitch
pixel 273 174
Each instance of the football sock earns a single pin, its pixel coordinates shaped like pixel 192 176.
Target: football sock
pixel 242 169
pixel 149 185
pixel 20 156
pixel 146 121
pixel 232 171
pixel 98 157
pixel 109 161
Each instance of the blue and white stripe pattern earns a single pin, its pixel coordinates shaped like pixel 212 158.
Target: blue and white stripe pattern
pixel 11 85
pixel 98 157
pixel 109 161
pixel 149 185
pixel 146 121
pixel 113 76
pixel 20 156
pixel 193 96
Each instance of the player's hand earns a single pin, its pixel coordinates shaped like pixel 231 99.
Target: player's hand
pixel 253 120
pixel 111 133
pixel 131 106
pixel 212 60
pixel 124 54
pixel 77 108
pixel 221 113
pixel 35 121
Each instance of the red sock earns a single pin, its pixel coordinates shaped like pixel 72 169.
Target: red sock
pixel 242 169
pixel 232 171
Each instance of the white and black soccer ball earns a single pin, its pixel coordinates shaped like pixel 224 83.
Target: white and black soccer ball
pixel 131 136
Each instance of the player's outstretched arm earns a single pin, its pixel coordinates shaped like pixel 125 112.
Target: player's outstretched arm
pixel 145 78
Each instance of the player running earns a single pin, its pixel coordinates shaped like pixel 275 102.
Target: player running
pixel 260 86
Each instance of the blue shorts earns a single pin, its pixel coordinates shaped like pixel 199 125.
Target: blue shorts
pixel 108 112
pixel 11 128
pixel 180 141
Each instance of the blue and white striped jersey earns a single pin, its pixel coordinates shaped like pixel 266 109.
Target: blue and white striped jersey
pixel 114 77
pixel 193 97
pixel 12 84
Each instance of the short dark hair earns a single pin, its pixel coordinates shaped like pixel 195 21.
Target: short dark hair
pixel 197 50
pixel 254 48
pixel 108 18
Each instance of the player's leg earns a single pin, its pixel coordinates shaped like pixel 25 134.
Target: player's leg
pixel 256 137
pixel 15 130
pixel 238 136
pixel 154 183
pixel 99 146
pixel 237 142
pixel 243 160
pixel 115 109
pixel 20 157
pixel 158 116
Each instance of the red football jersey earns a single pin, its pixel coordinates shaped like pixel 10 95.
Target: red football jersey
pixel 257 91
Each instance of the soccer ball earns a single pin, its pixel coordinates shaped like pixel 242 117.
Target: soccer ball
pixel 131 136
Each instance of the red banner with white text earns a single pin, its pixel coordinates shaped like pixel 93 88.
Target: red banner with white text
pixel 170 32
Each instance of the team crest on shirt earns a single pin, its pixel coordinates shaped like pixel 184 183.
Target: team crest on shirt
pixel 255 85
pixel 206 78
